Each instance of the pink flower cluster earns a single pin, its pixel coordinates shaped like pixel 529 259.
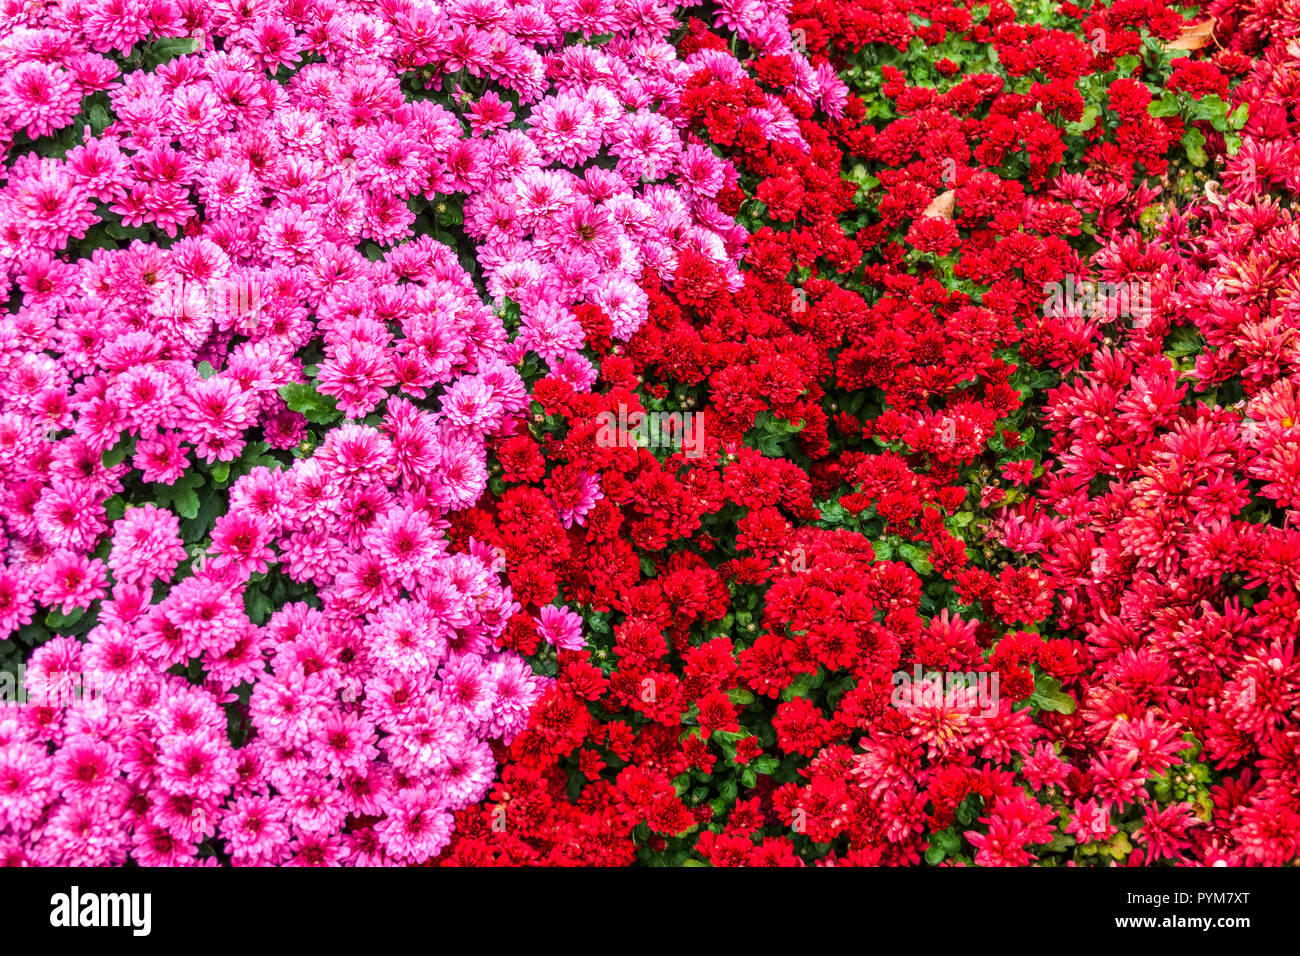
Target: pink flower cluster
pixel 370 728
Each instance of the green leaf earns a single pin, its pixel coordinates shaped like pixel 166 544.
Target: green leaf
pixel 180 496
pixel 198 525
pixel 114 508
pixel 119 231
pixel 303 398
pixel 186 503
pixel 451 213
pixel 1049 696
pixel 575 786
pixel 1086 122
pixel 1060 843
pixel 969 809
pixel 803 685
pixel 1194 143
pixel 766 764
pixel 257 605
pixel 160 51
pixel 117 454
pixel 56 620
pixel 916 557
pixel 778 426
pixel 947 840
pixel 1167 105
pixel 98 118
pixel 1183 342
pixel 1214 109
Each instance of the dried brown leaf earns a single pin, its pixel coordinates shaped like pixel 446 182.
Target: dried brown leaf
pixel 942 205
pixel 1194 36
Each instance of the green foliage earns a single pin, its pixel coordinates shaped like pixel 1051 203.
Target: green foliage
pixel 303 398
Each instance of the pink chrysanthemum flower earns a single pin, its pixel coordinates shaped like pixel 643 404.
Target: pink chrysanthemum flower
pixel 146 545
pixel 550 331
pixel 242 540
pixel 561 627
pixel 415 826
pixel 73 581
pixel 39 98
pixel 160 459
pixel 70 514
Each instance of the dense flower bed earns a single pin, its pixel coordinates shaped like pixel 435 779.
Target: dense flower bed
pixel 914 393
pixel 593 433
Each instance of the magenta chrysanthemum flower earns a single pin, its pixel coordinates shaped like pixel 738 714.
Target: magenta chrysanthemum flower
pixel 415 826
pixel 146 545
pixel 73 581
pixel 39 98
pixel 561 627
pixel 242 540
pixel 70 515
pixel 470 402
pixel 550 332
